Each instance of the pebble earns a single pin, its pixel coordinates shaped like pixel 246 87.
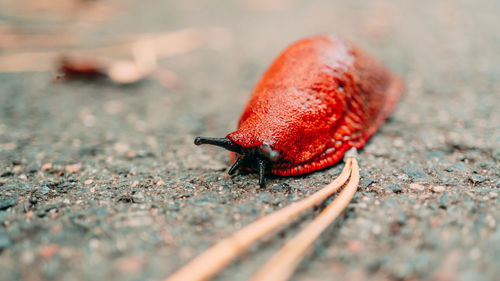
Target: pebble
pixel 46 166
pixel 416 186
pixel 414 171
pixel 442 200
pixel 278 187
pixel 438 189
pixel 491 221
pixel 477 178
pixel 73 168
pixel 395 188
pixel 366 182
pixel 3 217
pixel 173 207
pixel 44 189
pixel 17 169
pixel 130 265
pixel 48 251
pixel 264 197
pixel 355 246
pixel 460 167
pixel 4 240
pixel 402 218
pixel 7 203
pixel 138 197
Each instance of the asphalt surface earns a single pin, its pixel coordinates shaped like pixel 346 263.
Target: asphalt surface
pixel 100 181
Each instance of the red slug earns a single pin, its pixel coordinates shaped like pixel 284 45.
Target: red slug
pixel 321 97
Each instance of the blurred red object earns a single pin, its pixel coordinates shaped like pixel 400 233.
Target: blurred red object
pixel 82 67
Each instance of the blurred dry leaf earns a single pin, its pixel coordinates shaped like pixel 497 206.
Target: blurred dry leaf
pixel 120 72
pixel 124 72
pixel 146 50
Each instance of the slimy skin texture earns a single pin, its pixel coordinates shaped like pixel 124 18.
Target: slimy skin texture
pixel 319 98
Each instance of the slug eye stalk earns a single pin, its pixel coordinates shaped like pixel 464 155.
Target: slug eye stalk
pixel 220 142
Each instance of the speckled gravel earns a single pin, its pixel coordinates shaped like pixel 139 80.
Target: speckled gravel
pixel 103 182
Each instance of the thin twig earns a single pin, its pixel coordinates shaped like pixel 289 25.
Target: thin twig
pixel 282 265
pixel 218 256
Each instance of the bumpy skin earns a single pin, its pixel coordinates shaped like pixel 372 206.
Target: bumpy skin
pixel 318 99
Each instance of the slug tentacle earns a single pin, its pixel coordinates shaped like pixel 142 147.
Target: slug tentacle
pixel 220 142
pixel 236 165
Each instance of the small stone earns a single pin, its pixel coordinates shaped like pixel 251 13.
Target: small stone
pixel 29 214
pixel 87 182
pixel 44 189
pixel 101 211
pixel 417 187
pixel 160 183
pixel 134 184
pixel 474 178
pixel 7 203
pixel 399 142
pixel 438 189
pixel 402 218
pixel 362 205
pixel 131 154
pixel 17 169
pixel 460 167
pixel 414 171
pixel 442 200
pixel 355 246
pixel 395 188
pixel 366 181
pixel 173 207
pixel 278 187
pixel 73 168
pixel 121 148
pixel 48 251
pixel 4 240
pixel 138 197
pixel 130 265
pixel 9 146
pixel 264 197
pixel 449 169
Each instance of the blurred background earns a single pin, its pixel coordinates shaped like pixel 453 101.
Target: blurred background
pixel 100 102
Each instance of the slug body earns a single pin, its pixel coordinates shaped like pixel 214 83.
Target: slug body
pixel 319 98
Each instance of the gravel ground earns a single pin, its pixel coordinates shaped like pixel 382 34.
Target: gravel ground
pixel 103 182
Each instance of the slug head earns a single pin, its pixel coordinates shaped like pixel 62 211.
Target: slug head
pixel 256 158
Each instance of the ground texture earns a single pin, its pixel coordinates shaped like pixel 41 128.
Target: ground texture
pixel 102 182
